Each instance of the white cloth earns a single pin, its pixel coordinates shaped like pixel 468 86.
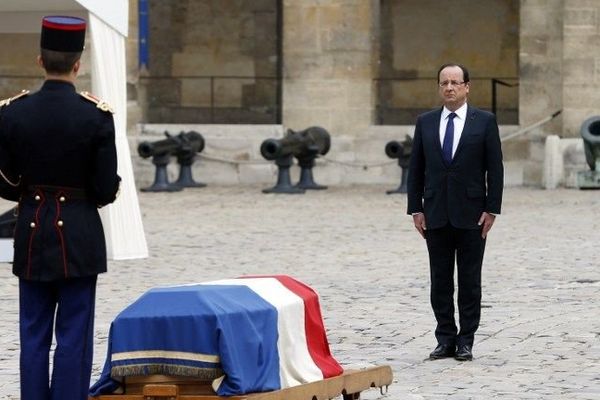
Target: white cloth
pixel 122 220
pixel 113 12
pixel 459 124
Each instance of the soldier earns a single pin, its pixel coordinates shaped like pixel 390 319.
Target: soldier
pixel 58 160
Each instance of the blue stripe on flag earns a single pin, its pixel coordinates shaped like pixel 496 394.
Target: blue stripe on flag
pixel 232 322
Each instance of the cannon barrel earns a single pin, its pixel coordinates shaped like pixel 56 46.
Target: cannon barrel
pixel 191 142
pixel 590 132
pixel 148 149
pixel 396 149
pixel 272 149
pixel 313 140
pixel 393 149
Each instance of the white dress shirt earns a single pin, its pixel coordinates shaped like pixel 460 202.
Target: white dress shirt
pixel 459 124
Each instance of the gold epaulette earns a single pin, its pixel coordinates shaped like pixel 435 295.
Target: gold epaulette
pixel 101 104
pixel 6 102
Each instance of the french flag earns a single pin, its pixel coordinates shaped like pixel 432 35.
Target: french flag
pixel 249 334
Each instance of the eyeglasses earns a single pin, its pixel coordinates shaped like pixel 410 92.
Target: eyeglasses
pixel 453 83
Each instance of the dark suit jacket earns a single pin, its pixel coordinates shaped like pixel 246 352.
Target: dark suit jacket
pixel 473 182
pixel 61 149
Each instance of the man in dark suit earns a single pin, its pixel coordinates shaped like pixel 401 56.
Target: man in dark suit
pixel 455 184
pixel 58 160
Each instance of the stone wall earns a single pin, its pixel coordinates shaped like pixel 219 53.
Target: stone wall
pixel 19 69
pixel 417 36
pixel 580 64
pixel 233 41
pixel 331 54
pixel 19 63
pixel 559 60
pixel 328 50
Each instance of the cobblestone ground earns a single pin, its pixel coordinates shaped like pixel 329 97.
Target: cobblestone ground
pixel 540 330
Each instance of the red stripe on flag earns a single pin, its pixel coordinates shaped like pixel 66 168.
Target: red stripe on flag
pixel 318 346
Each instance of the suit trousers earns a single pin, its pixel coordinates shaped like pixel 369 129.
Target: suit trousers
pixel 465 247
pixel 72 303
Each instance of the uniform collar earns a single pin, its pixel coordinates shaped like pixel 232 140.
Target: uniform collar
pixel 55 84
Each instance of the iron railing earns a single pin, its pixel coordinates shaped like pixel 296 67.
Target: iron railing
pixel 495 82
pixel 212 99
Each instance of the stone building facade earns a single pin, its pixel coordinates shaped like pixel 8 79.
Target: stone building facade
pixel 240 71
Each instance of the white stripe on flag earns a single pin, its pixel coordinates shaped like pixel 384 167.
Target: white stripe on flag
pixel 296 366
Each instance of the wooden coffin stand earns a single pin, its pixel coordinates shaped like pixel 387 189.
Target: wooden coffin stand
pixel 160 387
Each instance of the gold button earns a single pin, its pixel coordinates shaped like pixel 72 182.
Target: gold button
pixel 59 223
pixel 37 197
pixel 61 199
pixel 32 224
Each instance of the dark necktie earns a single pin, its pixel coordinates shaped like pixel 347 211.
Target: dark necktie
pixel 448 139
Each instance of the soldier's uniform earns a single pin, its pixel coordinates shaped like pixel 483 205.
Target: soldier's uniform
pixel 58 160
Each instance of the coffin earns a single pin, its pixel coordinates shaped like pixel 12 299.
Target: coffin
pixel 244 335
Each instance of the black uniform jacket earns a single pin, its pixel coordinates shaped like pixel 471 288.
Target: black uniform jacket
pixel 472 183
pixel 58 160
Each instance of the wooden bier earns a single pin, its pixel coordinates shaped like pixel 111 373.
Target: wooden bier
pixel 160 387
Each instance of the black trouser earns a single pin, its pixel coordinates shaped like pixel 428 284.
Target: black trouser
pixel 445 245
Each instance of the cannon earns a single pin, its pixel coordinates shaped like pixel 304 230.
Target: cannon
pixel 400 151
pixel 184 146
pixel 297 143
pixel 188 141
pixel 306 146
pixel 590 132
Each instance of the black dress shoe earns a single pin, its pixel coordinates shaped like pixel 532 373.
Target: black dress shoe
pixel 464 353
pixel 443 351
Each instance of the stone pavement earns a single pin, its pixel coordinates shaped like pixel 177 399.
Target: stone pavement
pixel 540 330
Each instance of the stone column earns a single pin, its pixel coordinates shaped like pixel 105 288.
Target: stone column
pixel 581 64
pixel 327 64
pixel 134 110
pixel 540 85
pixel 540 81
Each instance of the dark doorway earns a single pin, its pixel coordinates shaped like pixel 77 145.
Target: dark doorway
pixel 213 62
pixel 417 36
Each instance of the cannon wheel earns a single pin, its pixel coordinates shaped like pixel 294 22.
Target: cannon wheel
pixel 349 385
